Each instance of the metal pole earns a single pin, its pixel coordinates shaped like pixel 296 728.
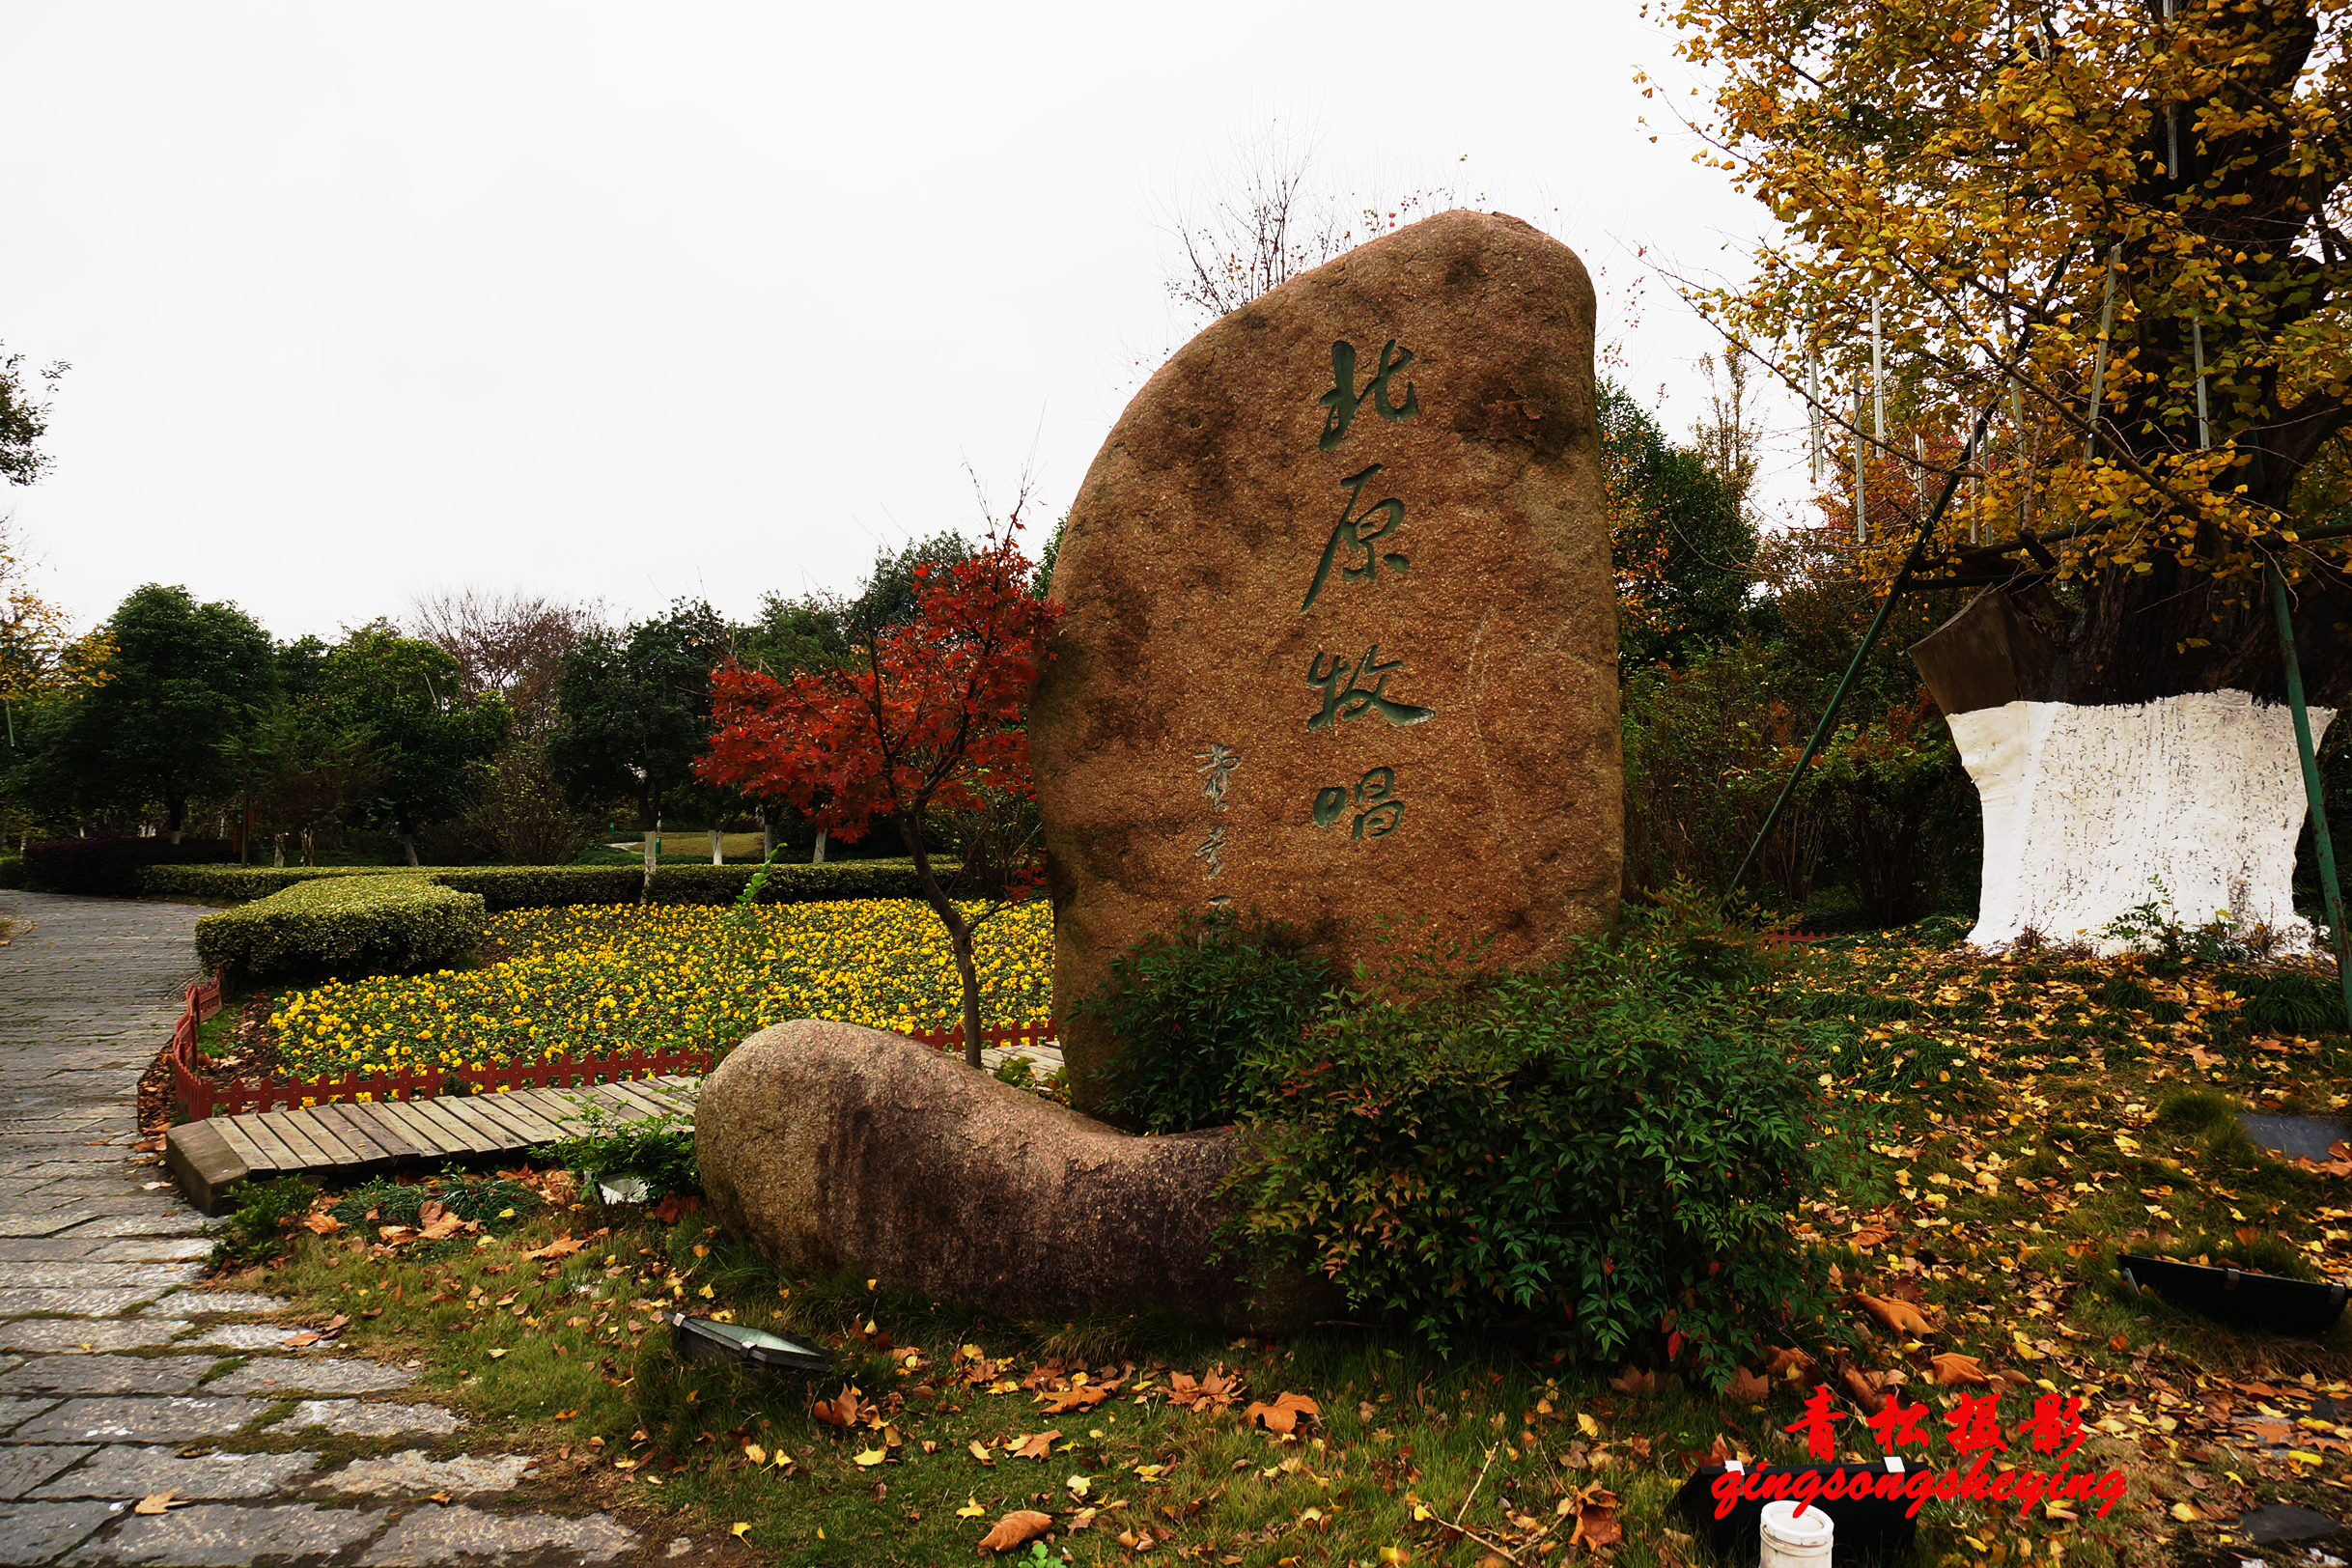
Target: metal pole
pixel 1862 455
pixel 2197 343
pixel 1845 682
pixel 2323 847
pixel 2098 368
pixel 1878 377
pixel 1812 409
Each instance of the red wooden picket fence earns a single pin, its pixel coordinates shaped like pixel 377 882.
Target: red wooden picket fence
pixel 1026 1034
pixel 199 1098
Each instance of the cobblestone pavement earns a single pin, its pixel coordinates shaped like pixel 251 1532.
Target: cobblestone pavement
pixel 121 1378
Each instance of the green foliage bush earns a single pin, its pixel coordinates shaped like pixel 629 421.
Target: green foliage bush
pixel 531 888
pixel 657 1149
pixel 256 1229
pixel 1603 1152
pixel 239 885
pixel 345 926
pixel 12 871
pixel 2289 1003
pixel 1192 1008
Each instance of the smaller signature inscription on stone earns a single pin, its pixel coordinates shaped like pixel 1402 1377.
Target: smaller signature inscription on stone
pixel 1359 535
pixel 1353 699
pixel 1379 812
pixel 1342 400
pixel 1212 851
pixel 1217 763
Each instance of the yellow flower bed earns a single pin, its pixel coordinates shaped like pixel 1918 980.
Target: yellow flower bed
pixel 598 980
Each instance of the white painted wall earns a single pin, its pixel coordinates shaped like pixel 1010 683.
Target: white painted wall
pixel 2083 805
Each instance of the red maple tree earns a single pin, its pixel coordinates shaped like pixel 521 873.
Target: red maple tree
pixel 923 728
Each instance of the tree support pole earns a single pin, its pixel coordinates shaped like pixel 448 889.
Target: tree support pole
pixel 1822 730
pixel 2324 849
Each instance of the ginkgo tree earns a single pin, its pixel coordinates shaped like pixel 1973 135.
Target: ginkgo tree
pixel 2112 229
pixel 922 729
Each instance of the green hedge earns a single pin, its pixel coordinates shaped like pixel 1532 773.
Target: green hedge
pixel 345 926
pixel 12 871
pixel 530 887
pixel 236 884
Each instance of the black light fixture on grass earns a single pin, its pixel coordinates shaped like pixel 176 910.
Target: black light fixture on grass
pixel 2297 1307
pixel 706 1339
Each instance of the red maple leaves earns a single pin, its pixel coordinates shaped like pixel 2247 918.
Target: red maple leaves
pixel 933 721
pixel 926 722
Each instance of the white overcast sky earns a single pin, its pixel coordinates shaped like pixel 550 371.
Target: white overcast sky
pixel 625 303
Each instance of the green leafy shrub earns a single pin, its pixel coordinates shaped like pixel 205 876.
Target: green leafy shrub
pixel 256 1228
pixel 657 1149
pixel 348 927
pixel 1190 1009
pixel 2304 1004
pixel 12 871
pixel 1604 1151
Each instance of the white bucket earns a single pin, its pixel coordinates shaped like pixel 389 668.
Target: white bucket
pixel 1793 1540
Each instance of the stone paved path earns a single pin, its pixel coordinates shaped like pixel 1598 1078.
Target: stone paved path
pixel 120 1378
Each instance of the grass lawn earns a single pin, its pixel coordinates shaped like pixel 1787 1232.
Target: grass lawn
pixel 2035 1115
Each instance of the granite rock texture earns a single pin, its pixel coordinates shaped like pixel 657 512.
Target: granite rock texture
pixel 832 1146
pixel 1340 631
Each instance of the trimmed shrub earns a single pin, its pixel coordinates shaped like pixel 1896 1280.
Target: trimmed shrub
pixel 345 926
pixel 534 887
pixel 1602 1154
pixel 12 871
pixel 239 885
pixel 109 867
pixel 542 887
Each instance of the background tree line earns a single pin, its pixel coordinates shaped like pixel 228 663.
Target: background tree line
pixel 477 727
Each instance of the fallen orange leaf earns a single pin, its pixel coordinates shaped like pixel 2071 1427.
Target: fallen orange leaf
pixel 1955 1370
pixel 157 1503
pixel 1864 1390
pixel 1282 1415
pixel 1895 1314
pixel 1747 1385
pixel 1019 1528
pixel 1635 1381
pixel 1037 1446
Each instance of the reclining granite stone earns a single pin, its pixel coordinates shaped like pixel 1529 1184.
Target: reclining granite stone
pixel 831 1146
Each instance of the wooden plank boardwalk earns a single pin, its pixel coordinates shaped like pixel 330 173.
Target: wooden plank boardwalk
pixel 209 1158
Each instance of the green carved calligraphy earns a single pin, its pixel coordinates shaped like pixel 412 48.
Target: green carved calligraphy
pixel 1380 812
pixel 1342 400
pixel 1359 535
pixel 1353 699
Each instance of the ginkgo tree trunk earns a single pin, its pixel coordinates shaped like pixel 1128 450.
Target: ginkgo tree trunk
pixel 922 732
pixel 2114 225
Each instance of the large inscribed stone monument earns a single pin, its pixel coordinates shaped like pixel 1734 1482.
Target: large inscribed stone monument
pixel 1340 637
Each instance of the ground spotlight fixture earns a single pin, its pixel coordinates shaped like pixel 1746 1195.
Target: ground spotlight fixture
pixel 706 1339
